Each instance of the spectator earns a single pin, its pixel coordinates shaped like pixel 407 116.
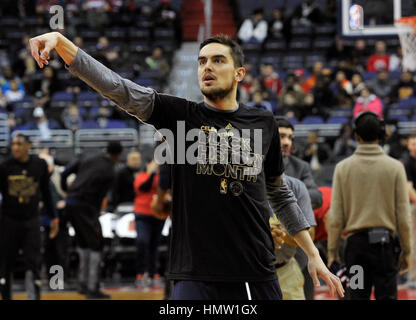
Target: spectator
pixel 271 79
pixel 316 153
pixel 380 59
pixel 359 56
pixel 321 217
pixel 158 62
pixel 394 144
pixel 396 60
pixel 165 16
pixel 102 116
pixel 123 187
pixel 43 124
pixel 96 13
pixel 72 118
pixel 245 89
pixel 292 97
pixel 382 86
pixel 279 27
pixel 323 96
pixel 253 29
pixel 259 103
pixel 345 144
pixel 8 75
pixel 357 84
pixel 342 84
pixel 307 13
pixel 368 102
pixel 148 227
pixel 47 85
pixel 4 102
pixel 105 54
pixel 405 88
pixel 310 82
pixel 14 93
pixel 338 51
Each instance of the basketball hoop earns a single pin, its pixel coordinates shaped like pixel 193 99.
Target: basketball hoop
pixel 406 29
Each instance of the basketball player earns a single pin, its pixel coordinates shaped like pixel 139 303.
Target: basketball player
pixel 221 247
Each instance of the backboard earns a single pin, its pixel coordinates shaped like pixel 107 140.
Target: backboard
pixel 378 16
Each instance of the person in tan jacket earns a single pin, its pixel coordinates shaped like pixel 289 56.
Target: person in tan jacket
pixel 370 203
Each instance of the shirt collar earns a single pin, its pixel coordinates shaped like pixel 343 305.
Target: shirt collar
pixel 369 149
pixel 222 111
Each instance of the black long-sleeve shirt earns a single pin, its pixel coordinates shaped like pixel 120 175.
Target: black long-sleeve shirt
pixel 94 176
pixel 123 187
pixel 23 185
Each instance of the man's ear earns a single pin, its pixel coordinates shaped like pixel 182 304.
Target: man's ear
pixel 240 73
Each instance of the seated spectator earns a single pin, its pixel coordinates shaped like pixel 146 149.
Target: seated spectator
pixel 310 82
pixel 292 96
pixel 14 93
pixel 48 84
pixel 96 11
pixel 338 51
pixel 259 103
pixel 380 59
pixel 368 102
pixel 71 118
pixel 4 102
pixel 271 79
pixel 253 29
pixel 102 116
pixel 158 62
pixel 105 54
pixel 43 124
pixel 359 56
pixel 357 84
pixel 165 16
pixel 382 86
pixel 279 27
pixel 8 76
pixel 342 84
pixel 405 88
pixel 245 89
pixel 345 144
pixel 323 96
pixel 396 60
pixel 316 153
pixel 307 13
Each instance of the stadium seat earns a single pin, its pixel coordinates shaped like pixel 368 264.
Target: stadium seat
pixel 87 96
pixel 313 120
pixel 409 103
pixel 112 124
pixel 323 43
pixel 325 29
pixel 369 75
pixel 300 44
pixel 337 120
pixel 62 96
pixel 398 117
pixel 90 125
pixel 341 113
pixel 275 45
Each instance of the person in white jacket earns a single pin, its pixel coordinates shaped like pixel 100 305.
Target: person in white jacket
pixel 253 29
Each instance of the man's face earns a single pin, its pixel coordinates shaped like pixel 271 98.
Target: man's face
pixel 411 145
pixel 134 160
pixel 20 148
pixel 286 140
pixel 217 75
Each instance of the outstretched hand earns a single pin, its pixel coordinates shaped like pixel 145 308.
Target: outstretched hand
pixel 316 267
pixel 41 46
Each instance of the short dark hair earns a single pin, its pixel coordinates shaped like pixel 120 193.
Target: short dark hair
pixel 114 148
pixel 368 127
pixel 236 51
pixel 23 136
pixel 282 122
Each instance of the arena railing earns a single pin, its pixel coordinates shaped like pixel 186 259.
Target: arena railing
pixel 4 132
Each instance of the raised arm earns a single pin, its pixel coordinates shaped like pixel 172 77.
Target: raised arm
pixel 131 97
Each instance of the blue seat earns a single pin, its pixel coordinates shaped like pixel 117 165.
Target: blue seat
pixel 398 117
pixel 409 103
pixel 275 45
pixel 111 124
pixel 90 125
pixel 293 120
pixel 300 44
pixel 335 120
pixel 312 120
pixel 62 96
pixel 369 75
pixel 323 43
pixel 146 82
pixel 87 95
pixel 399 111
pixel 341 113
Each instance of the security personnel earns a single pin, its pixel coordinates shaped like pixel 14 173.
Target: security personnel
pixel 370 203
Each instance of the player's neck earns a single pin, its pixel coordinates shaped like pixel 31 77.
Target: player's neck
pixel 227 103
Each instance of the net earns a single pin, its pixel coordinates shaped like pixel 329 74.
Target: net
pixel 406 29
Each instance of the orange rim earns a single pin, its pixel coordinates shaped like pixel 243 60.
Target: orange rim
pixel 409 21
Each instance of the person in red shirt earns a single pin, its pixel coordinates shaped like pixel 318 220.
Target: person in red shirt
pixel 148 227
pixel 310 82
pixel 380 60
pixel 271 79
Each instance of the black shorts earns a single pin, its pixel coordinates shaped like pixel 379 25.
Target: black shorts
pixel 202 290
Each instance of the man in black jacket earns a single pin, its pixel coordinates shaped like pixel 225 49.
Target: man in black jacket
pixel 24 181
pixel 94 177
